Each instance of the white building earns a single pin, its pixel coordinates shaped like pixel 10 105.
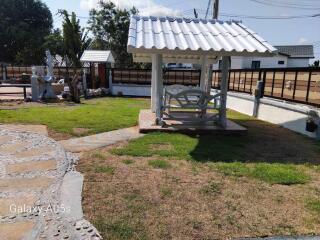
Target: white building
pixel 288 56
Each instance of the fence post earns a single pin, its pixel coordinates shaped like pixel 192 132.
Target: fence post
pixel 84 82
pixel 257 96
pixel 263 83
pixel 110 80
pixel 34 85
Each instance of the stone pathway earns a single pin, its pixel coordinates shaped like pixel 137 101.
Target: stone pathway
pixel 88 143
pixel 40 129
pixel 35 175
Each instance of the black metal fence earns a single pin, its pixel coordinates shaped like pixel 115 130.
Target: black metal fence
pixel 21 75
pixel 292 84
pixel 143 76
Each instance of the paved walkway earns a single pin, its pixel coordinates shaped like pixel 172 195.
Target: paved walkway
pixel 34 173
pixel 88 143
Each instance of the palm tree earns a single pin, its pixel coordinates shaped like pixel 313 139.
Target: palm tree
pixel 75 38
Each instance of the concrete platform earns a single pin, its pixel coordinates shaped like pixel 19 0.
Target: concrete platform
pixel 147 124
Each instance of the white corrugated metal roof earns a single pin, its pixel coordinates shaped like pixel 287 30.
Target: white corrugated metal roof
pixel 187 39
pixel 97 56
pixel 296 51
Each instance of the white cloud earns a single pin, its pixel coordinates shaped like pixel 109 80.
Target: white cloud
pixel 302 40
pixel 145 7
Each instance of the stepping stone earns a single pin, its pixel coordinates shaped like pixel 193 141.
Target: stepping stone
pixel 4 139
pixel 34 152
pixel 15 231
pixel 12 148
pixel 100 140
pixel 19 184
pixel 40 129
pixel 14 205
pixel 31 166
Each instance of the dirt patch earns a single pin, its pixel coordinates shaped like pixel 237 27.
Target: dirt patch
pixel 161 147
pixel 59 136
pixel 80 131
pixel 190 201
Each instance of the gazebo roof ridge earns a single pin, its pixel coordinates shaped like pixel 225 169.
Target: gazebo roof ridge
pixel 180 19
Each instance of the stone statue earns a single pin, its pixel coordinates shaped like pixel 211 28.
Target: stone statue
pixel 42 85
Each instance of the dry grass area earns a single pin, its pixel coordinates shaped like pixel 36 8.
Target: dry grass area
pixel 166 186
pixel 127 198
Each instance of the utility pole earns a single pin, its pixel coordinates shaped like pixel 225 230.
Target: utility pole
pixel 195 13
pixel 215 9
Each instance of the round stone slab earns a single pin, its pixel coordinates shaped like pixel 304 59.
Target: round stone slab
pixel 14 231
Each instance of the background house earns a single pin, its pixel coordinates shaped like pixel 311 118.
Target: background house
pixel 288 56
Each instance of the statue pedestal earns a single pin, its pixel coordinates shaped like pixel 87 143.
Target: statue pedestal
pixel 46 88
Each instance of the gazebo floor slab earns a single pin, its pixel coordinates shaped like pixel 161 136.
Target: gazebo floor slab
pixel 147 125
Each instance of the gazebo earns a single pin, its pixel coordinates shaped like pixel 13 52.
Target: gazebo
pixel 180 40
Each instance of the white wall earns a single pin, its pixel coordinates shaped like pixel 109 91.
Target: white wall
pixel 266 62
pixel 298 62
pixel 288 115
pixel 131 90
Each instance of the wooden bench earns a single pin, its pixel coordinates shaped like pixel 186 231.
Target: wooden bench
pixel 24 86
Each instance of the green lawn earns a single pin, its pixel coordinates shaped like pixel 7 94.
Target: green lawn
pixel 268 152
pixel 96 115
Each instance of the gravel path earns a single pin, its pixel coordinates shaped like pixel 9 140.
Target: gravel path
pixel 33 171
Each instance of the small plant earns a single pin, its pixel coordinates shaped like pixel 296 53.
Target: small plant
pixel 165 192
pixel 128 161
pixel 161 164
pixel 212 188
pixel 105 169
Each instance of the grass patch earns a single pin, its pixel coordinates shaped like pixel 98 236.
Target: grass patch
pixel 285 174
pixel 233 169
pixel 96 115
pixel 182 146
pixel 120 229
pixel 313 205
pixel 160 164
pixel 128 161
pixel 280 174
pixel 105 169
pixel 98 155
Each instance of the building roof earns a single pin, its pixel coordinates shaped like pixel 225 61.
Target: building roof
pixel 191 38
pixel 296 51
pixel 97 56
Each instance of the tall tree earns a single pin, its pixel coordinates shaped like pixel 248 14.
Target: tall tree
pixel 23 27
pixel 75 38
pixel 110 27
pixel 54 42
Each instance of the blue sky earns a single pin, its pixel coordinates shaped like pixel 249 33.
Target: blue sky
pixel 277 32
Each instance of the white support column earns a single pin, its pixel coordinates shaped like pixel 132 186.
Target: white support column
pixel 209 79
pixel 224 90
pixel 204 67
pixel 153 82
pixel 158 86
